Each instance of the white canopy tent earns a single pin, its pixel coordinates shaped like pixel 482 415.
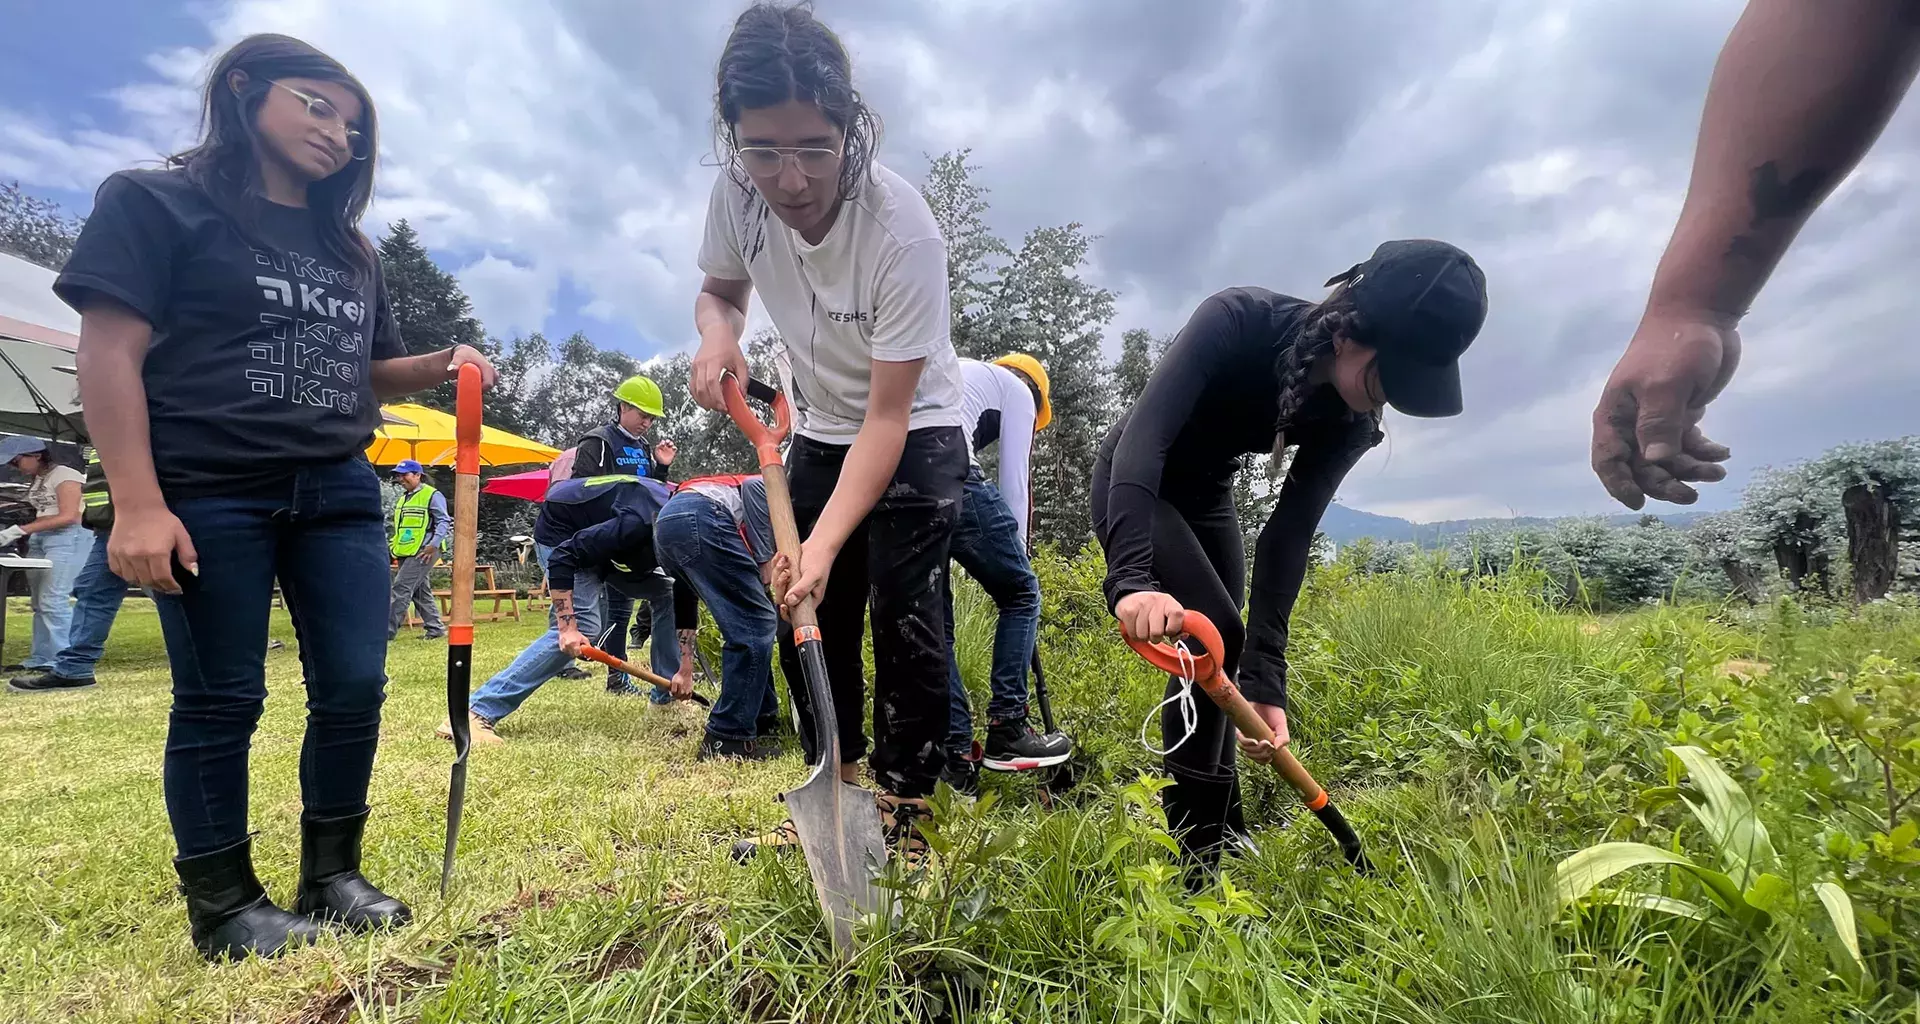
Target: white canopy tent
pixel 38 335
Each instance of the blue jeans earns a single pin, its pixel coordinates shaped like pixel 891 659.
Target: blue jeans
pixel 321 534
pixel 700 544
pixel 986 543
pixel 543 659
pixel 67 549
pixel 618 604
pixel 96 603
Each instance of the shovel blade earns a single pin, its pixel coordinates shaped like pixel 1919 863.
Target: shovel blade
pixel 840 834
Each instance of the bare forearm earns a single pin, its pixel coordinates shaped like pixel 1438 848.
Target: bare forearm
pixel 115 397
pixel 395 378
pixel 870 464
pixel 711 311
pixel 1801 90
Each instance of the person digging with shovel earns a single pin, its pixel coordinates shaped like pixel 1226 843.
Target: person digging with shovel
pixel 1252 372
pixel 852 267
pixel 1005 403
pixel 595 534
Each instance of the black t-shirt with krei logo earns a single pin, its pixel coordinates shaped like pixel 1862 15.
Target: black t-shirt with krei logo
pixel 262 350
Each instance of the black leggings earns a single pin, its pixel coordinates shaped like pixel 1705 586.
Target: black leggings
pixel 1200 561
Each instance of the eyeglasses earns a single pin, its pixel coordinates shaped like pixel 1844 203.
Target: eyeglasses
pixel 768 161
pixel 322 111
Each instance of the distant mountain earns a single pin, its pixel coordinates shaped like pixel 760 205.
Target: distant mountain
pixel 1344 525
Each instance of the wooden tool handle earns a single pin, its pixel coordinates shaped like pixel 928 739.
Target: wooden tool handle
pixel 592 653
pixel 466 502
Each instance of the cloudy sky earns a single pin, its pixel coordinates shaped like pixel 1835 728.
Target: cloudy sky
pixel 556 154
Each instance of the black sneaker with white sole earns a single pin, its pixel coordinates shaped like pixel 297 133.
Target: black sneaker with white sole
pixel 48 682
pixel 1013 746
pixel 714 748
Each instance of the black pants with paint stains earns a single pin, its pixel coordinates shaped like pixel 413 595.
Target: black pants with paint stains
pixel 897 558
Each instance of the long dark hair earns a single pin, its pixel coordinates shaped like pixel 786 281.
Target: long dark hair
pixel 226 161
pixel 1310 342
pixel 780 52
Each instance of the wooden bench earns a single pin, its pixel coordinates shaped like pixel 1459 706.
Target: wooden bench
pixel 492 590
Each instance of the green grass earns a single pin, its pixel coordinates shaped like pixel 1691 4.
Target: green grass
pixel 593 882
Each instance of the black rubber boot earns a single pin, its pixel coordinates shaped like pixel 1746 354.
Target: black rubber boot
pixel 229 911
pixel 1203 816
pixel 332 889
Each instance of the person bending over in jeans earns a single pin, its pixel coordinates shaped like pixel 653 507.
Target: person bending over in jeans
pixel 1006 402
pixel 592 535
pixel 714 539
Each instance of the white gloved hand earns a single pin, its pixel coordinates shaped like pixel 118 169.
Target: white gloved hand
pixel 11 534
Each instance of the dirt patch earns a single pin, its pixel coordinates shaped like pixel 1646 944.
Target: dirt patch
pixel 624 956
pixel 1744 669
pixel 395 980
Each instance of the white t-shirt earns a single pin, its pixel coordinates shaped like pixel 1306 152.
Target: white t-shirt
pixel 998 400
pixel 874 289
pixel 43 493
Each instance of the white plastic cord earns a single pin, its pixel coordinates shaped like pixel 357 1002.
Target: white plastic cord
pixel 1189 712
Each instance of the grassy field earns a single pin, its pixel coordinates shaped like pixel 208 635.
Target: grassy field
pixel 1476 737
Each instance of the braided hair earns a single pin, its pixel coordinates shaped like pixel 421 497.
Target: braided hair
pixel 1309 342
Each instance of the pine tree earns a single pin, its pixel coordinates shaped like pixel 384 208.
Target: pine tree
pixel 1135 367
pixel 960 206
pixel 1041 306
pixel 36 230
pixel 432 311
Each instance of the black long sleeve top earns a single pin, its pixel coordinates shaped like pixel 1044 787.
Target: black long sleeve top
pixel 1213 399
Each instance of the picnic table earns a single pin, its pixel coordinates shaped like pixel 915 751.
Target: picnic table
pixel 10 564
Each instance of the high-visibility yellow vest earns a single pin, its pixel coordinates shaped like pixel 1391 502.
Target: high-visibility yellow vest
pixel 412 522
pixel 96 504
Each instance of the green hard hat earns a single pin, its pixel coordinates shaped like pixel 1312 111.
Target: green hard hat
pixel 642 394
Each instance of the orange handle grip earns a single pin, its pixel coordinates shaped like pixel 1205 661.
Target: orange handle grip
pixel 592 653
pixel 466 430
pixel 766 440
pixel 1202 665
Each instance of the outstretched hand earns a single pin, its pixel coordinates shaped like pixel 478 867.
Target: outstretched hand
pixel 1646 430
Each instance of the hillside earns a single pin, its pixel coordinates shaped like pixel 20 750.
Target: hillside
pixel 1344 525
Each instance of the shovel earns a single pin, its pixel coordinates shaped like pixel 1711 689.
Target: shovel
pixel 592 653
pixel 838 823
pixel 1205 668
pixel 466 516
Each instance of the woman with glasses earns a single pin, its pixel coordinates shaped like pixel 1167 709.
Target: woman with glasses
pixel 852 268
pixel 235 344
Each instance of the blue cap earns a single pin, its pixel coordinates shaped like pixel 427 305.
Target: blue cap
pixel 407 466
pixel 20 444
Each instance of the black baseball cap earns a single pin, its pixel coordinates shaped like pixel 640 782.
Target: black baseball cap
pixel 1421 303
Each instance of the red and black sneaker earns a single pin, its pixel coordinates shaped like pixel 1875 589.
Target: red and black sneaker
pixel 1013 746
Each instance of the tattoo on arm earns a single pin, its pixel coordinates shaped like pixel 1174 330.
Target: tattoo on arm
pixel 1773 198
pixel 563 609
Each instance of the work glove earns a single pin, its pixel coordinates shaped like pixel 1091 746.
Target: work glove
pixel 11 534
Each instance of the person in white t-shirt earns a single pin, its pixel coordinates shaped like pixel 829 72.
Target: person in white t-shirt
pixel 55 535
pixel 1005 403
pixel 853 270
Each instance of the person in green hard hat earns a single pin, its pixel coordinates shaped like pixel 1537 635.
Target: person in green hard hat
pixel 623 448
pixel 421 528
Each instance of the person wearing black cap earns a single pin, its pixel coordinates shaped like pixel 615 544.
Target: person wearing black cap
pixel 1254 371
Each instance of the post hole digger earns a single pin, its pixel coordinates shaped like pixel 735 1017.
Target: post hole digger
pixel 1204 668
pixel 466 518
pixel 838 823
